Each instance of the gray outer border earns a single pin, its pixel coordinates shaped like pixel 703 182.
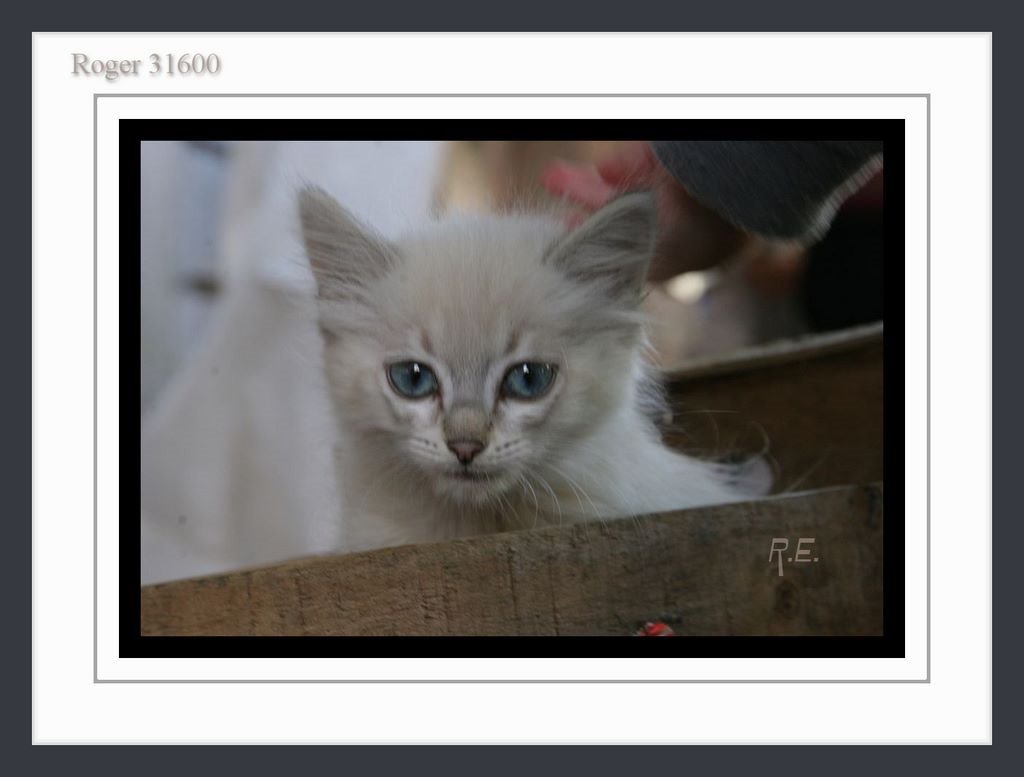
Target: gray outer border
pixel 928 675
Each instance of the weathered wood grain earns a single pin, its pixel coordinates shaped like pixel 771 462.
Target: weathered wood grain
pixel 704 571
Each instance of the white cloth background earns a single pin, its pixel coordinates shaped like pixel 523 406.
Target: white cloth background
pixel 236 449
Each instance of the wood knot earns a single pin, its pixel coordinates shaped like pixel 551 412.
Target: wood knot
pixel 787 600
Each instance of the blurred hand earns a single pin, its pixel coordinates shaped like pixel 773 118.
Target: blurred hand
pixel 691 236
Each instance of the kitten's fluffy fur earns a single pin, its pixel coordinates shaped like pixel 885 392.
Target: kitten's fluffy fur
pixel 470 299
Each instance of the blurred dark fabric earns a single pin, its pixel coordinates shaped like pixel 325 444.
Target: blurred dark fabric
pixel 843 284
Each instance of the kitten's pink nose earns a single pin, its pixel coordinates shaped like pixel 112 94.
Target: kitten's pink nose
pixel 465 450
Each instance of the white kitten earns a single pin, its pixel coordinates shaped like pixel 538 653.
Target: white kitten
pixel 487 375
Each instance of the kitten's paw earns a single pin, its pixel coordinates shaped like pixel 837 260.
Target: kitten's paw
pixel 753 476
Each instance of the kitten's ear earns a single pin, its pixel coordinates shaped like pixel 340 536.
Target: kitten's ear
pixel 613 247
pixel 343 254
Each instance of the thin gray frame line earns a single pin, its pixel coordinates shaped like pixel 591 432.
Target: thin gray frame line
pixel 510 94
pixel 928 384
pixel 95 395
pixel 516 682
pixel 928 405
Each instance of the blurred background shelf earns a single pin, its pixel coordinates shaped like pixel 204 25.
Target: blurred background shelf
pixel 813 404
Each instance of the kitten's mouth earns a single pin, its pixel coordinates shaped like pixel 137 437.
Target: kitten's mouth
pixel 471 485
pixel 469 475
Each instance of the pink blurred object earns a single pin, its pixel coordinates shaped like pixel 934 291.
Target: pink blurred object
pixel 654 629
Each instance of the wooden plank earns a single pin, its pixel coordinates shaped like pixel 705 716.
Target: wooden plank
pixel 816 403
pixel 703 571
pixel 777 352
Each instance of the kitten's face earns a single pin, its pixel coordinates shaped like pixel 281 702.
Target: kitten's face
pixel 474 354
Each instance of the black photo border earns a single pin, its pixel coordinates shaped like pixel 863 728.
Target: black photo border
pixel 131 642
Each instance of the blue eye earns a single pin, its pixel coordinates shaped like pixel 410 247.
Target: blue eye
pixel 529 380
pixel 412 379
